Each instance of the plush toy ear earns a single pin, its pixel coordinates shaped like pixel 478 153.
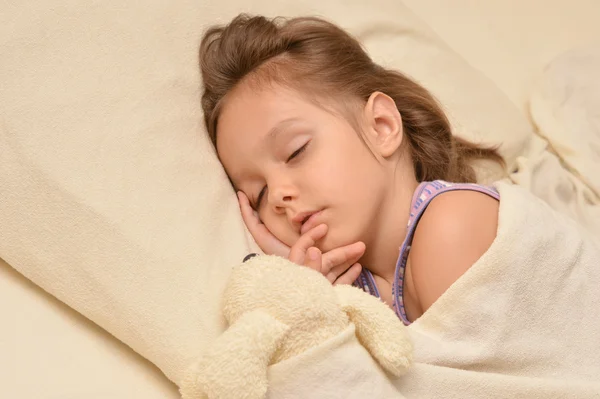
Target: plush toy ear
pixel 378 329
pixel 236 364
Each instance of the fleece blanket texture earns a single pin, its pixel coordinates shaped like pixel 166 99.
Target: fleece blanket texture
pixel 521 323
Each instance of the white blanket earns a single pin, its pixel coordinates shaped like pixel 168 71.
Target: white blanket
pixel 521 323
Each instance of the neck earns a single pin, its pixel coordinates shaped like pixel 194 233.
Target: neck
pixel 389 230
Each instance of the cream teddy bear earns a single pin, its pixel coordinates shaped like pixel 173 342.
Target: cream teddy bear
pixel 276 310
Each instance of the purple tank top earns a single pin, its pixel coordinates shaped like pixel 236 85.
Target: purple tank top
pixel 423 195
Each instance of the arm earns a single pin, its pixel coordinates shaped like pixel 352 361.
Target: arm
pixel 455 230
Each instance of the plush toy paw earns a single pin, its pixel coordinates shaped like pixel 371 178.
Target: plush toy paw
pixel 236 365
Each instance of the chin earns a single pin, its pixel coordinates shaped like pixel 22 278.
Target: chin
pixel 332 241
pixel 324 245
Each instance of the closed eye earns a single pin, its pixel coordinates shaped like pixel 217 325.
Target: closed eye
pixel 297 152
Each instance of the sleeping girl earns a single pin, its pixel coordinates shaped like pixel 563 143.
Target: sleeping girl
pixel 352 169
pixel 342 165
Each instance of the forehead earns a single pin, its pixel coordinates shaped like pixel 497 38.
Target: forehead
pixel 247 121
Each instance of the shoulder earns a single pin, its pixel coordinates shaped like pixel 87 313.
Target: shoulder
pixel 454 231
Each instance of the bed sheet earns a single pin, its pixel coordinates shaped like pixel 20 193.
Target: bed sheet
pixel 565 107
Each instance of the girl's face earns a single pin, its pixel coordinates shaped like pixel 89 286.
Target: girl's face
pixel 293 158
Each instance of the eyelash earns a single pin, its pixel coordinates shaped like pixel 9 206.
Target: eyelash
pixel 291 157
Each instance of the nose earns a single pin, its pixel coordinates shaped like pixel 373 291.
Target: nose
pixel 281 196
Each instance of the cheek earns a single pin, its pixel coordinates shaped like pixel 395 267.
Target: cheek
pixel 279 227
pixel 352 172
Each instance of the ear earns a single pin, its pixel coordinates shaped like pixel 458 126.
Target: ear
pixel 383 124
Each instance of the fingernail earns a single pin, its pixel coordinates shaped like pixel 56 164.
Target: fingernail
pixel 313 253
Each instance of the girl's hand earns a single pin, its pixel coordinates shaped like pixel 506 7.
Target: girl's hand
pixel 263 237
pixel 338 265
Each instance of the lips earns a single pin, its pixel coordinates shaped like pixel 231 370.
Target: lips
pixel 312 221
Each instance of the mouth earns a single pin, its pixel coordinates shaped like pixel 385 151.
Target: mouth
pixel 311 220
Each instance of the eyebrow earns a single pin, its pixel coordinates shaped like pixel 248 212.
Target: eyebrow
pixel 278 128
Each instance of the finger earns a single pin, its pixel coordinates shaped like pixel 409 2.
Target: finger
pixel 350 276
pixel 306 240
pixel 313 258
pixel 342 258
pixel 248 214
pixel 338 270
pixel 267 242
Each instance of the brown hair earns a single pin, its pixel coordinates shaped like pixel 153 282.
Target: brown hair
pixel 315 55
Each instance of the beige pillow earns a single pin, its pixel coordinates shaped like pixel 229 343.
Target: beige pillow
pixel 111 196
pixel 51 352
